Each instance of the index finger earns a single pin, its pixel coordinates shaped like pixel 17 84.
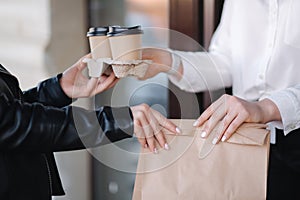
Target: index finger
pixel 166 123
pixel 104 83
pixel 83 63
pixel 154 123
pixel 208 113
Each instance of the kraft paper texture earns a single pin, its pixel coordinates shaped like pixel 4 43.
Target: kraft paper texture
pixel 233 170
pixel 137 68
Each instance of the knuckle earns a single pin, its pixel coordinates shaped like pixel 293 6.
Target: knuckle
pixel 144 107
pixel 207 126
pixel 158 134
pixel 142 141
pixel 140 136
pixel 225 121
pixel 149 134
pixel 246 113
pixel 238 105
pixel 232 99
pixel 139 114
pixel 150 141
pixel 156 131
pixel 210 109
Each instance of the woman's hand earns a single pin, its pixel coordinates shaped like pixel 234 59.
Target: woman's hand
pixel 162 61
pixel 75 84
pixel 148 125
pixel 232 112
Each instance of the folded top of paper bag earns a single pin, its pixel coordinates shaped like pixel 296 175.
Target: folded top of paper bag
pixel 246 134
pixel 250 134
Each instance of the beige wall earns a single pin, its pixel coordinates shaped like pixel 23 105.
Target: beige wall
pixel 24 34
pixel 40 38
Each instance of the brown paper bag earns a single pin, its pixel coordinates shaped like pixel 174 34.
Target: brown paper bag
pixel 233 170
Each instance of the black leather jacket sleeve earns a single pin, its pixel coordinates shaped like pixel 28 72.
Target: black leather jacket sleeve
pixel 39 128
pixel 48 92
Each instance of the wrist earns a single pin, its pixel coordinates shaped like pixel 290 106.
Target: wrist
pixel 269 110
pixel 175 64
pixel 61 83
pixel 166 62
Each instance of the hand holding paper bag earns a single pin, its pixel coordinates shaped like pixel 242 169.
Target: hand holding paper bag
pixel 233 111
pixel 235 169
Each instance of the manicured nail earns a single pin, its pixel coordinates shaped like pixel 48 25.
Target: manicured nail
pixel 178 130
pixel 167 147
pixel 155 151
pixel 215 140
pixel 145 146
pixel 196 123
pixel 203 134
pixel 223 138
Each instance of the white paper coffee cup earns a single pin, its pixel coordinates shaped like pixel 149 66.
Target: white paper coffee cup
pixel 125 42
pixel 100 50
pixel 99 42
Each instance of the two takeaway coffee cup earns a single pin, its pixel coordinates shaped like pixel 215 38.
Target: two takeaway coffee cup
pixel 116 42
pixel 118 46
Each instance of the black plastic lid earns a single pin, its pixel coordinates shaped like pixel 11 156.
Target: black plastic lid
pixel 98 31
pixel 124 30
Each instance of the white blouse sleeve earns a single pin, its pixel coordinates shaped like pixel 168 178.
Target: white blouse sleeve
pixel 201 72
pixel 204 71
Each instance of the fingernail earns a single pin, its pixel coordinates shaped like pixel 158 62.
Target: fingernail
pixel 215 140
pixel 196 123
pixel 145 146
pixel 203 134
pixel 178 130
pixel 167 147
pixel 223 138
pixel 155 151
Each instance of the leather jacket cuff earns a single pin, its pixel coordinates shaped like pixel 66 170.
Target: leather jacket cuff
pixel 59 91
pixel 123 123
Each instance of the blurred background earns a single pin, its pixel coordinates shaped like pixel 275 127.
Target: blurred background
pixel 40 38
